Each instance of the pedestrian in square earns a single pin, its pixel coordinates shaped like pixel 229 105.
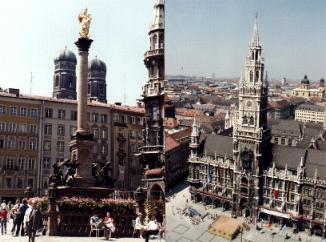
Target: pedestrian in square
pixel 34 221
pixel 3 219
pixel 20 217
pixel 14 216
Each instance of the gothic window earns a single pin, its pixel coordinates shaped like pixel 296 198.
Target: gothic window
pixel 57 81
pixel 155 45
pixel 247 158
pixel 70 81
pixel 155 70
pixel 257 76
pixel 244 120
pixel 251 121
pixel 244 190
pixel 250 76
pixel 244 181
pixel 252 55
pixel 154 113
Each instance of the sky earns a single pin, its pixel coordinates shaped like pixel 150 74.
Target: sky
pixel 206 37
pixel 34 31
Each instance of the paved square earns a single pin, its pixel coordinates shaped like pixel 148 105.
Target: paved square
pixel 205 237
pixel 183 239
pixel 180 229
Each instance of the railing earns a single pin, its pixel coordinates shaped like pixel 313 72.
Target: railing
pixel 154 52
pixel 78 223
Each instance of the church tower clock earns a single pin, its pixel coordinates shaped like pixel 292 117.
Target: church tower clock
pixel 251 135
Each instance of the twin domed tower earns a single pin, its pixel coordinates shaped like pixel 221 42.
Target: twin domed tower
pixel 64 79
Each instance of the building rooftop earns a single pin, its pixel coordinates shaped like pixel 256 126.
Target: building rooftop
pixel 310 107
pixel 125 108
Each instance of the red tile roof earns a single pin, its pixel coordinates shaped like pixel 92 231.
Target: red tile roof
pixel 156 171
pixel 170 143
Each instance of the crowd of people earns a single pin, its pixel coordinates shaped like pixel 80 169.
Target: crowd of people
pixel 26 218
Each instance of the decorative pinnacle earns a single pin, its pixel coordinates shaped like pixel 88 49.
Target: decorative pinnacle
pixel 255 37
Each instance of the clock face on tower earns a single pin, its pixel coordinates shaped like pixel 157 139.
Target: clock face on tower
pixel 247 157
pixel 249 103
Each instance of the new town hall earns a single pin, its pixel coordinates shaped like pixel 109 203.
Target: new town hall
pixel 253 176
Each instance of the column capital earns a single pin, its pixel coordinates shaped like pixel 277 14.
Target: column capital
pixel 83 44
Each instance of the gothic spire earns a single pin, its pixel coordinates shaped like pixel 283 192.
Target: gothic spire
pixel 195 129
pixel 255 37
pixel 158 21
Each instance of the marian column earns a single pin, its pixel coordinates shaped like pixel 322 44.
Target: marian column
pixel 82 142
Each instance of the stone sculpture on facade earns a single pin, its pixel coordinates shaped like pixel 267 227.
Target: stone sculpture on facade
pixel 102 173
pixel 58 179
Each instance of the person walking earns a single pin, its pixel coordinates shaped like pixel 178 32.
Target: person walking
pixel 3 219
pixel 20 217
pixel 34 221
pixel 14 211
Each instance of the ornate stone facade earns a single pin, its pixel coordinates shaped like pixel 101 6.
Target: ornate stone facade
pixel 152 153
pixel 249 174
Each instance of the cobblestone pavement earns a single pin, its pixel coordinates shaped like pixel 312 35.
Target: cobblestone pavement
pixel 8 237
pixel 180 228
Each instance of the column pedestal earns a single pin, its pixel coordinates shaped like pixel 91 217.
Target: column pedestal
pixel 81 150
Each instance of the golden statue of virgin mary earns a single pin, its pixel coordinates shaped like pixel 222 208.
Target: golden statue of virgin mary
pixel 85 21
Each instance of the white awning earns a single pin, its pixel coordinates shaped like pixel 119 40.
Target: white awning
pixel 275 213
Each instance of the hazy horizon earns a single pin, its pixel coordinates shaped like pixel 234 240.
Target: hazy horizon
pixel 212 36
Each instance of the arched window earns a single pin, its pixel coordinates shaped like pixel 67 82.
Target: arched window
pixel 155 42
pixel 251 121
pixel 155 71
pixel 257 76
pixel 250 76
pixel 245 120
pixel 252 55
pixel 244 181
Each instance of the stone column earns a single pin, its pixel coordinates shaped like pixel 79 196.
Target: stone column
pixel 83 45
pixel 82 142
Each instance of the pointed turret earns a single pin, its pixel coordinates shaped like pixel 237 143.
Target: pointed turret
pixel 158 22
pixel 255 36
pixel 195 134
